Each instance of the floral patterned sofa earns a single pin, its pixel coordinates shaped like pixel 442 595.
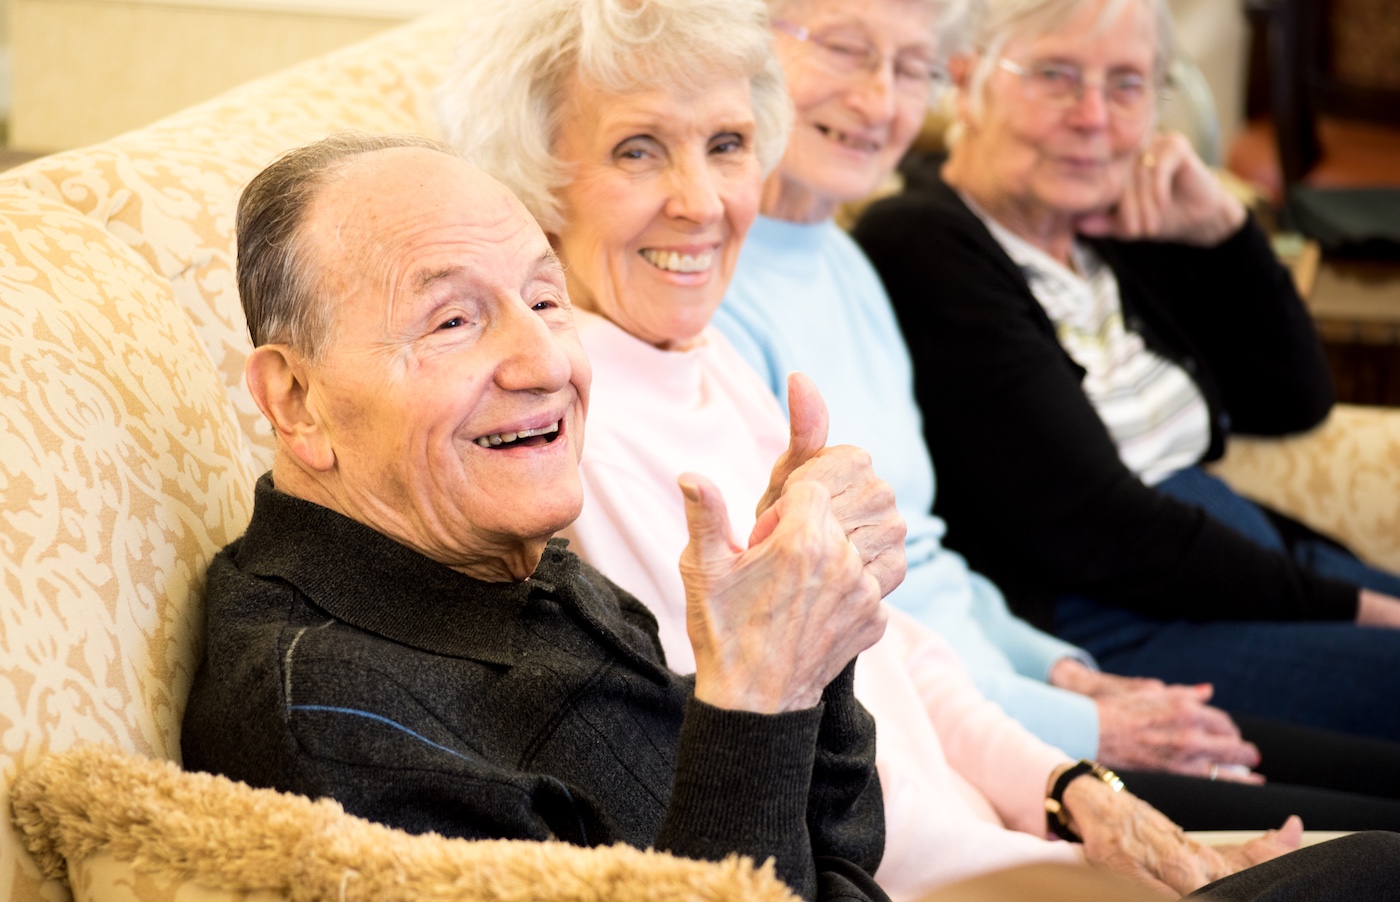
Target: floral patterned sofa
pixel 128 451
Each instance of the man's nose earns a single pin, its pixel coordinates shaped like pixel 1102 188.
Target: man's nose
pixel 531 357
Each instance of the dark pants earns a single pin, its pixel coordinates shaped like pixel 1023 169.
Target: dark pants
pixel 1333 781
pixel 1335 676
pixel 1364 867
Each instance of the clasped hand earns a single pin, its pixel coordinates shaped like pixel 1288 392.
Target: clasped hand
pixel 1144 724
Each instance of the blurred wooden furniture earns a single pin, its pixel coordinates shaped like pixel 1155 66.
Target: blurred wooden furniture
pixel 1324 95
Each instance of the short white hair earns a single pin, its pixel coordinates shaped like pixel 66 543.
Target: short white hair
pixel 504 100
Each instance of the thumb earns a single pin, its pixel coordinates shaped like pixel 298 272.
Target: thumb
pixel 807 428
pixel 706 517
pixel 807 419
pixel 1291 833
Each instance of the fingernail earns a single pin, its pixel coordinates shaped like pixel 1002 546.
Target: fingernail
pixel 690 490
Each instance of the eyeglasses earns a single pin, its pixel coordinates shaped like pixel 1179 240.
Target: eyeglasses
pixel 847 53
pixel 1063 85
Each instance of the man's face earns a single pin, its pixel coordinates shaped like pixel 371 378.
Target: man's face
pixel 452 389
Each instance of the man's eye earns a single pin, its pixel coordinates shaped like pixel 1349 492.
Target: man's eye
pixel 543 305
pixel 452 323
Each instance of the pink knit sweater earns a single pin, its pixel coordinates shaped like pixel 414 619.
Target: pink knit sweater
pixel 962 782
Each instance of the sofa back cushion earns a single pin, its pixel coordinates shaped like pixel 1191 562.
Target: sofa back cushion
pixel 169 191
pixel 123 470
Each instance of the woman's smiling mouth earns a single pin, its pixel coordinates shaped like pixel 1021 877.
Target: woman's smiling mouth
pixel 848 140
pixel 671 261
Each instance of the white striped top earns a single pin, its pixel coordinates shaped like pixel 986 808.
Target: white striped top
pixel 1152 409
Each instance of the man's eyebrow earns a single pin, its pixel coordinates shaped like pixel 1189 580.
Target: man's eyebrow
pixel 549 262
pixel 429 277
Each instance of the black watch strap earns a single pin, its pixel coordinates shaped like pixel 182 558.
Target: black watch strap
pixel 1056 820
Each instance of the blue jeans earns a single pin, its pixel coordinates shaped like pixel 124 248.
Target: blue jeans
pixel 1326 674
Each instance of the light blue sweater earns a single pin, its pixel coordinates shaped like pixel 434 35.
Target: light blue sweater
pixel 805 298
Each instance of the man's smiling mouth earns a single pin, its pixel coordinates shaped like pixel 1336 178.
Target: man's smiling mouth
pixel 541 436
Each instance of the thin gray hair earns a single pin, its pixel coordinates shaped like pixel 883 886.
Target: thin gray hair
pixel 947 17
pixel 278 281
pixel 506 95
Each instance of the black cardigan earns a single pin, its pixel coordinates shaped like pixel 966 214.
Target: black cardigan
pixel 340 663
pixel 1030 483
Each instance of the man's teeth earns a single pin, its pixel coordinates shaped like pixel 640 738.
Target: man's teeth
pixel 674 262
pixel 505 438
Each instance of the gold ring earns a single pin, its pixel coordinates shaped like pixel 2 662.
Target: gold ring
pixel 1148 160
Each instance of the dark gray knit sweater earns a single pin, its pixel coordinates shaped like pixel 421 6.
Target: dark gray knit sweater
pixel 340 663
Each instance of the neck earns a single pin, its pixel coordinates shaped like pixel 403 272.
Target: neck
pixel 506 559
pixel 1051 231
pixel 790 201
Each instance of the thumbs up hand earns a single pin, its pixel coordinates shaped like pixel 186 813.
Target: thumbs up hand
pixel 862 502
pixel 773 623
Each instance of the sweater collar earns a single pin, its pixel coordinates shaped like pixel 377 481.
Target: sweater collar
pixel 782 243
pixel 376 584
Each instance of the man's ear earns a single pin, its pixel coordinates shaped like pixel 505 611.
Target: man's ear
pixel 279 379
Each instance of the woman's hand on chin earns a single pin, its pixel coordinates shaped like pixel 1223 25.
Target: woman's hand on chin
pixel 1170 196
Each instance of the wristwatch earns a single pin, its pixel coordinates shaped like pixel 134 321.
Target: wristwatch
pixel 1056 820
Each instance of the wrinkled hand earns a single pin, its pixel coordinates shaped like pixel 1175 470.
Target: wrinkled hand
pixel 864 504
pixel 1145 724
pixel 773 623
pixel 1076 676
pixel 1170 196
pixel 1376 609
pixel 1125 835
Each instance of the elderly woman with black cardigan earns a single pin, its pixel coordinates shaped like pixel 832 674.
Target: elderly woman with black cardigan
pixel 1090 316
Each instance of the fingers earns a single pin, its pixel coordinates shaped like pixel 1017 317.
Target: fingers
pixel 1269 846
pixel 807 430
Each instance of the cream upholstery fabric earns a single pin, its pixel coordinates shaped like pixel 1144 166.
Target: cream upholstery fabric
pixel 124 470
pixel 169 191
pixel 1343 478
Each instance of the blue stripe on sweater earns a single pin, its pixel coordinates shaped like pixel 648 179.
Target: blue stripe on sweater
pixel 380 719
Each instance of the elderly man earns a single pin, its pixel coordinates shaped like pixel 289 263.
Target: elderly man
pixel 396 629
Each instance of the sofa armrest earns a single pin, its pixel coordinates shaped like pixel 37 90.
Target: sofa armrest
pixel 113 821
pixel 1342 478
